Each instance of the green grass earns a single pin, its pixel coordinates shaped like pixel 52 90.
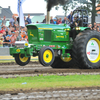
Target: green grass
pixel 52 81
pixel 9 61
pixel 6 61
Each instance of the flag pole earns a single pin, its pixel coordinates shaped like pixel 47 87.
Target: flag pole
pixel 19 16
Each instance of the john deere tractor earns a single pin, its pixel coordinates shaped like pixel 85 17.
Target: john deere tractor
pixel 60 46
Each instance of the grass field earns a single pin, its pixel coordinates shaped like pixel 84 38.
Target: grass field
pixel 52 81
pixel 9 61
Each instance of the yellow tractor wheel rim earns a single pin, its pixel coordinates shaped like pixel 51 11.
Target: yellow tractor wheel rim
pixel 66 59
pixel 24 59
pixel 47 56
pixel 89 52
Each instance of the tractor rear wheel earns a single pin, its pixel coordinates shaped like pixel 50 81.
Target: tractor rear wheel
pixel 57 63
pixel 46 56
pixel 86 50
pixel 21 60
pixel 60 62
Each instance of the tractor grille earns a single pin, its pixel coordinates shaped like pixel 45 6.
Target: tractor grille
pixel 47 35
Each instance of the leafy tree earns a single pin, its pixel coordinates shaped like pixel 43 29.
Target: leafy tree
pixel 94 12
pixel 69 6
pixel 90 7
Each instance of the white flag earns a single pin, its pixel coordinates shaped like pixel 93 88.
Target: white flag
pixel 20 13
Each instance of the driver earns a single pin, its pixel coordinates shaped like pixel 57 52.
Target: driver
pixel 75 21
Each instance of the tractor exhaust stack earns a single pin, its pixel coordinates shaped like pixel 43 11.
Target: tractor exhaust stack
pixel 48 17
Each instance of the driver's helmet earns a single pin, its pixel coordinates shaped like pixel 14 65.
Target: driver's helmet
pixel 75 16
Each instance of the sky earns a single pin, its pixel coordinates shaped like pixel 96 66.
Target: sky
pixel 30 6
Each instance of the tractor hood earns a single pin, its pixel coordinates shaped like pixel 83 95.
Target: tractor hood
pixel 49 26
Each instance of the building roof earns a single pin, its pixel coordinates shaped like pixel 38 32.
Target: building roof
pixel 6 12
pixel 33 14
pixel 60 16
pixel 37 18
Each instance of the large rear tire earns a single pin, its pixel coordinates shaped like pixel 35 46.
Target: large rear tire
pixel 86 50
pixel 21 60
pixel 62 63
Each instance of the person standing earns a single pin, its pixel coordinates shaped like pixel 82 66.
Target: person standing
pixel 51 20
pixel 59 21
pixel 94 26
pixel 55 21
pixel 2 30
pixel 44 21
pixel 4 21
pixel 70 18
pixel 28 19
pixel 64 20
pixel 15 22
pixel 12 21
pixel 0 23
pixel 26 22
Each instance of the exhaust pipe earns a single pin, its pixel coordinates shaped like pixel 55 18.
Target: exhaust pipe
pixel 48 17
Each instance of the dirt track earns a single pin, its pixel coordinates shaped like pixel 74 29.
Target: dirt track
pixel 36 68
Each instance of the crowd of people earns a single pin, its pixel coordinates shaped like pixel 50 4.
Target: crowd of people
pixel 12 33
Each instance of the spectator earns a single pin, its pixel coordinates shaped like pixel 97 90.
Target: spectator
pixel 4 21
pixel 0 23
pixel 51 20
pixel 98 25
pixel 4 35
pixel 94 26
pixel 2 30
pixel 37 22
pixel 13 39
pixel 18 20
pixel 44 21
pixel 18 36
pixel 6 42
pixel 90 26
pixel 7 39
pixel 64 20
pixel 55 21
pixel 9 34
pixel 26 22
pixel 15 22
pixel 1 41
pixel 24 37
pixel 6 31
pixel 59 21
pixel 4 27
pixel 28 19
pixel 13 29
pixel 98 29
pixel 70 18
pixel 25 19
pixel 12 21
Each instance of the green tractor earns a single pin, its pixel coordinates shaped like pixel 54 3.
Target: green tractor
pixel 60 46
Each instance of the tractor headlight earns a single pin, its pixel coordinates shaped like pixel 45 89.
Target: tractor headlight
pixel 68 29
pixel 77 28
pixel 26 44
pixel 21 44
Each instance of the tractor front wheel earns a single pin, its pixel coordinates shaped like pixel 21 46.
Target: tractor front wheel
pixel 46 56
pixel 21 60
